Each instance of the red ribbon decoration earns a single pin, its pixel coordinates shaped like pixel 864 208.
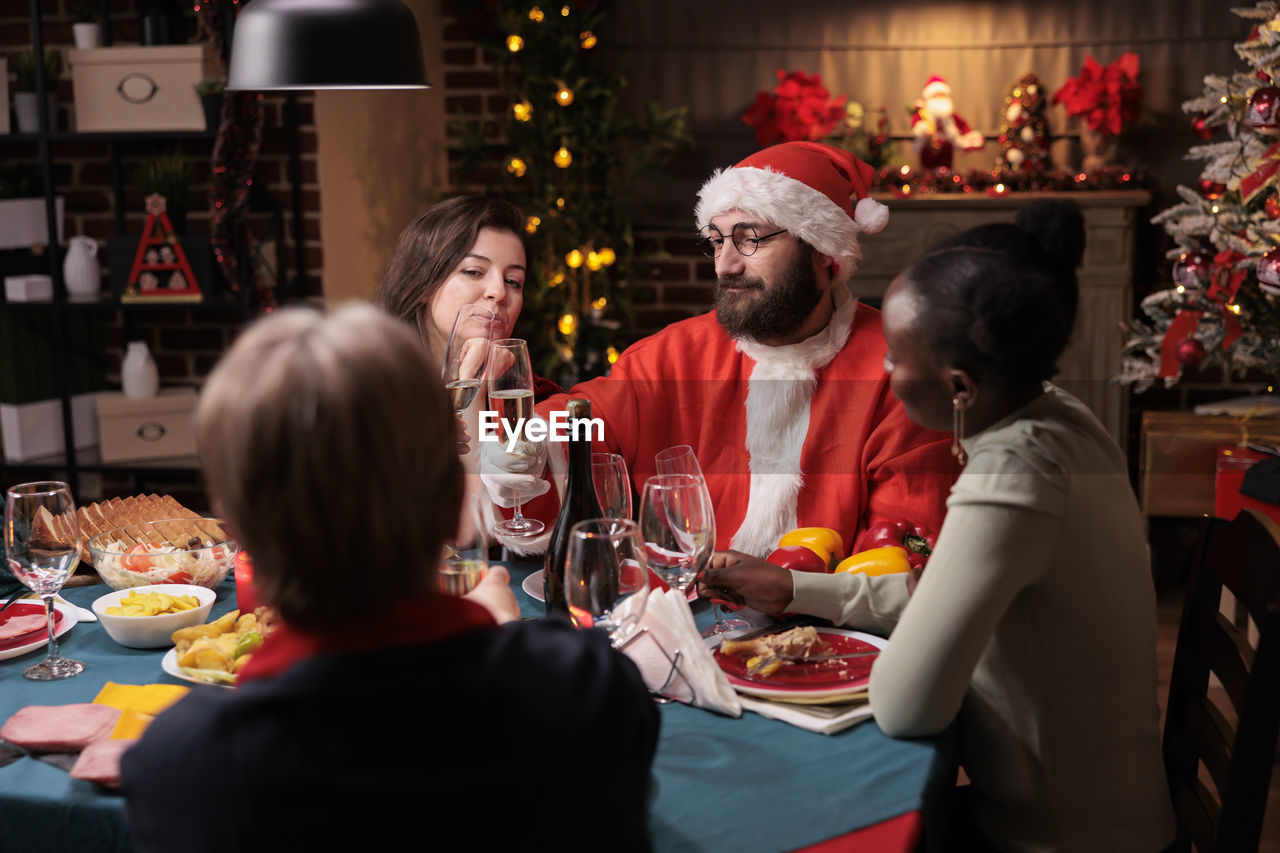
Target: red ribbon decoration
pixel 1226 278
pixel 1183 326
pixel 1264 175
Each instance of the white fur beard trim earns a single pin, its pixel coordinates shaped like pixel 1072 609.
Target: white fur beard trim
pixel 778 399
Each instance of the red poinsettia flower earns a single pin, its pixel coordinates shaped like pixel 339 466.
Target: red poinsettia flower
pixel 1108 98
pixel 799 108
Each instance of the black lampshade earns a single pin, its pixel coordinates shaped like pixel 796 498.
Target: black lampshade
pixel 326 44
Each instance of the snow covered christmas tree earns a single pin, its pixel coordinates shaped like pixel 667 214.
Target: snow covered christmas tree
pixel 1224 305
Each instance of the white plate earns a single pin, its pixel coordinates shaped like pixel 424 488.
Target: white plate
pixel 70 615
pixel 532 585
pixel 169 663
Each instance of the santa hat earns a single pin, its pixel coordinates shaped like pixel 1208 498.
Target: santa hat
pixel 818 193
pixel 935 87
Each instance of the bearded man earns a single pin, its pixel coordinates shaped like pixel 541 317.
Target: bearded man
pixel 780 390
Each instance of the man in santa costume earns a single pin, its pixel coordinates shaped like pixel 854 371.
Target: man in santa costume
pixel 938 129
pixel 780 390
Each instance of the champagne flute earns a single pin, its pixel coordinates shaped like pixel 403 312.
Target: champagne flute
pixel 606 576
pixel 613 484
pixel 681 459
pixel 466 556
pixel 41 537
pixel 511 395
pixel 467 354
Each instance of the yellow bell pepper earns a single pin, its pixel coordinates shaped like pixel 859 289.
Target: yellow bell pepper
pixel 889 560
pixel 823 541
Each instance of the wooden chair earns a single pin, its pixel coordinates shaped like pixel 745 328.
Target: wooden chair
pixel 1244 557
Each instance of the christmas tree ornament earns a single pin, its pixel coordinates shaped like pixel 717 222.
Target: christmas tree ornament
pixel 1201 128
pixel 1190 353
pixel 588 39
pixel 1262 111
pixel 1211 189
pixel 522 111
pixel 515 43
pixel 562 157
pixel 531 224
pixel 1272 207
pixel 1269 272
pixel 574 259
pixel 536 15
pixel 517 167
pixel 564 95
pixel 1193 272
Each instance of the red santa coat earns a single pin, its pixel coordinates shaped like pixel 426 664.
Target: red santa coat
pixel 804 435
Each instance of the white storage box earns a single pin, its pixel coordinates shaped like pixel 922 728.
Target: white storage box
pixel 28 288
pixel 33 430
pixel 140 88
pixel 157 427
pixel 23 222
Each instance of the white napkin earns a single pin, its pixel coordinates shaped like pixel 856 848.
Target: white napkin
pixel 671 626
pixel 823 719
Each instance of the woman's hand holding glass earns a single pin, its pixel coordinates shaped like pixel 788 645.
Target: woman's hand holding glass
pixel 606 576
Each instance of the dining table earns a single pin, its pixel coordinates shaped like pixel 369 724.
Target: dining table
pixel 748 784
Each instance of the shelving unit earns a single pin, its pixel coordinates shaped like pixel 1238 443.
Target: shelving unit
pixel 69 464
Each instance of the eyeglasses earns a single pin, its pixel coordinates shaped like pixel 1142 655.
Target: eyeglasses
pixel 744 237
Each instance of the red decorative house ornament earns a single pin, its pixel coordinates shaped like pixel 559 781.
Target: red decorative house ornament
pixel 160 269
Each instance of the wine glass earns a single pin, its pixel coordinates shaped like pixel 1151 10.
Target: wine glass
pixel 613 484
pixel 681 459
pixel 466 555
pixel 41 536
pixel 606 576
pixel 467 354
pixel 511 395
pixel 678 526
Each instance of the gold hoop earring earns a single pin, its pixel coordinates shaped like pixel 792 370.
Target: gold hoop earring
pixel 957 431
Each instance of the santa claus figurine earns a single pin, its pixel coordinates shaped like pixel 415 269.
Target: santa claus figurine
pixel 937 128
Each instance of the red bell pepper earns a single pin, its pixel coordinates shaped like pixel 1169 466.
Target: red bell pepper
pixel 916 539
pixel 799 558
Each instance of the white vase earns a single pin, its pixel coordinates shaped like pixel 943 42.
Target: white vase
pixel 86 34
pixel 26 106
pixel 80 270
pixel 138 372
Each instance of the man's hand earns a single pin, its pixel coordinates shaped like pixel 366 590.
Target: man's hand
pixel 494 594
pixel 513 476
pixel 742 579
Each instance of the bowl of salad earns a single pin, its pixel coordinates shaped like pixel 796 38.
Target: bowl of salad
pixel 182 550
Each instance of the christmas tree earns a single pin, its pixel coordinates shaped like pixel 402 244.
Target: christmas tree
pixel 567 156
pixel 1024 134
pixel 1224 305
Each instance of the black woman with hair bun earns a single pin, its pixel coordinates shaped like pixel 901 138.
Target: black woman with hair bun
pixel 1034 622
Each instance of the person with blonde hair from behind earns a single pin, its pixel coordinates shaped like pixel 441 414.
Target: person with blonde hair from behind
pixel 381 708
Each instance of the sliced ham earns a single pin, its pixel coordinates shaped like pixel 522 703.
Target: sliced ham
pixel 59 728
pixel 100 761
pixel 17 625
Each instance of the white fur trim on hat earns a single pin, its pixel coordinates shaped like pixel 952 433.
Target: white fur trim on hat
pixel 935 87
pixel 774 197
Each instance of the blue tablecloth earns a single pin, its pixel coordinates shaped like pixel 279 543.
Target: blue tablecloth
pixel 751 785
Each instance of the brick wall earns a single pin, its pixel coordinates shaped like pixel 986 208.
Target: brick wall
pixel 185 341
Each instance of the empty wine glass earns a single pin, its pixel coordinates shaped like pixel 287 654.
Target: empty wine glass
pixel 467 354
pixel 511 395
pixel 606 576
pixel 678 526
pixel 681 459
pixel 42 537
pixel 613 484
pixel 466 556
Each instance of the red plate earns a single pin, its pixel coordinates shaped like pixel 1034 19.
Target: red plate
pixel 27 609
pixel 831 680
